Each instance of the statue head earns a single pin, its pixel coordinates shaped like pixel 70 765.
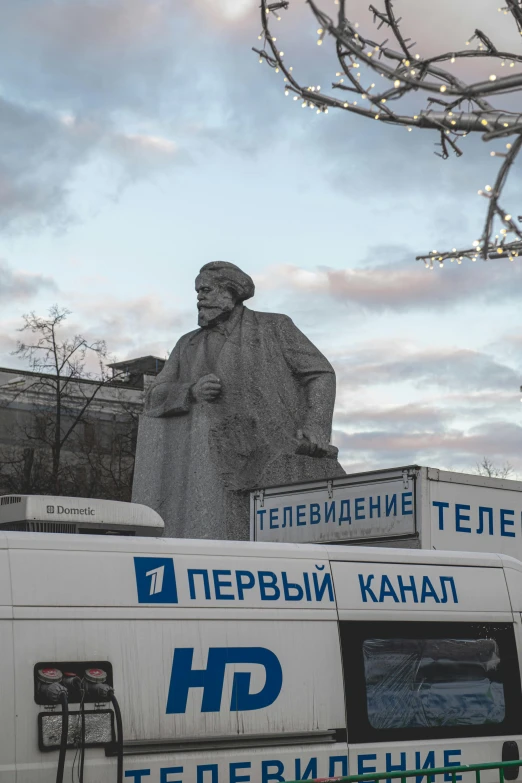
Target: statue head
pixel 221 286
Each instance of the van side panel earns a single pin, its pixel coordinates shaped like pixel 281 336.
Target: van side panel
pixel 7 692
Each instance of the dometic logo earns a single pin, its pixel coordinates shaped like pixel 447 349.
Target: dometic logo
pixel 211 679
pixel 155 580
pixel 84 512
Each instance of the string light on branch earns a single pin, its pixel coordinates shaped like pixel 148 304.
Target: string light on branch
pixel 453 108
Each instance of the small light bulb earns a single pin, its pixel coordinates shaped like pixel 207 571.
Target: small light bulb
pixel 443 88
pixel 377 116
pixel 409 129
pixel 484 122
pixel 396 83
pixel 492 154
pixel 319 42
pixel 507 217
pixel 346 105
pixel 511 65
pixel 417 56
pixel 452 60
pixel 492 78
pixel 320 31
pixel 508 146
pixel 488 188
pixel 281 54
pixel 475 243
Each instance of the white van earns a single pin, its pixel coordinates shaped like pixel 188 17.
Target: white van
pixel 239 662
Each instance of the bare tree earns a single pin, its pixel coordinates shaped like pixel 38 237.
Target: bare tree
pixel 59 400
pixel 488 468
pixel 453 107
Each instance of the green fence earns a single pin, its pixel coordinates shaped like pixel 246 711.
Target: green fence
pixel 429 774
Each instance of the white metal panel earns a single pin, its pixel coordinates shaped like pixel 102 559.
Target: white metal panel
pixel 419 588
pixel 388 756
pixel 513 572
pixel 466 516
pixel 340 511
pixel 7 703
pixel 142 656
pixel 64 578
pixel 5 579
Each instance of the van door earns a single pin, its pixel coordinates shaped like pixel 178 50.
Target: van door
pixel 430 668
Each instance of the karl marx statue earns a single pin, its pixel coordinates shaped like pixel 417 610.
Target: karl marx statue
pixel 244 401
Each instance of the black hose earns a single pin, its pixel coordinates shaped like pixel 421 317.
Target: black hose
pixel 63 737
pixel 119 738
pixel 82 739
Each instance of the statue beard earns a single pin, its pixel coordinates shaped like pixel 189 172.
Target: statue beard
pixel 209 316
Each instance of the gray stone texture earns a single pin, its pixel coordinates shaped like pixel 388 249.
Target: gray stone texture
pixel 245 401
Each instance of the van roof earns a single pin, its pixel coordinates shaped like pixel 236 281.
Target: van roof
pixel 185 546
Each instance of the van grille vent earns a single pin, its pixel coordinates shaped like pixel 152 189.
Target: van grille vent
pixel 39 527
pixel 6 500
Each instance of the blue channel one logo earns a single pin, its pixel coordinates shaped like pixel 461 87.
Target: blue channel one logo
pixel 155 580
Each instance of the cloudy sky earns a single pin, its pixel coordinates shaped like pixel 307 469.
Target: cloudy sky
pixel 140 139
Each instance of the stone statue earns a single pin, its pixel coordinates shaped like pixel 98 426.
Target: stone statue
pixel 244 401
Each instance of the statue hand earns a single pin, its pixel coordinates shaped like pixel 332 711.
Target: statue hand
pixel 318 443
pixel 206 389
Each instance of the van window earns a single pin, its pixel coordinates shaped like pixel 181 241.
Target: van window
pixel 430 680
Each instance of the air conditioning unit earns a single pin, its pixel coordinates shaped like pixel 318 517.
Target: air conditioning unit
pixel 48 514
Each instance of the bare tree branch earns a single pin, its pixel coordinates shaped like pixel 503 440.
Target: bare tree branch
pixel 465 107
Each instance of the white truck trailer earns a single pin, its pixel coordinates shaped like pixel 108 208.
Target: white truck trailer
pixel 411 506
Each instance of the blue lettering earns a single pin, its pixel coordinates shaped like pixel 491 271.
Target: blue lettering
pixel 274 516
pixel 287 512
pixel 391 505
pixel 244 585
pixel 184 677
pixel 307 587
pixel 261 514
pixel 219 584
pixel 429 763
pixel 366 589
pixel 441 506
pixel 267 775
pixel 359 508
pixel 394 767
pixel 449 776
pixel 191 579
pixel 234 767
pixel 326 585
pixel 504 522
pixel 342 760
pixel 428 591
pixel 444 599
pixel 137 774
pixel 345 515
pixel 407 503
pixel 164 771
pixel 202 768
pixel 268 581
pixel 403 589
pixel 483 510
pixel 287 586
pixel 315 513
pixel 329 512
pixel 376 506
pixel 300 514
pixel 362 758
pixel 460 517
pixel 387 591
pixel 310 771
